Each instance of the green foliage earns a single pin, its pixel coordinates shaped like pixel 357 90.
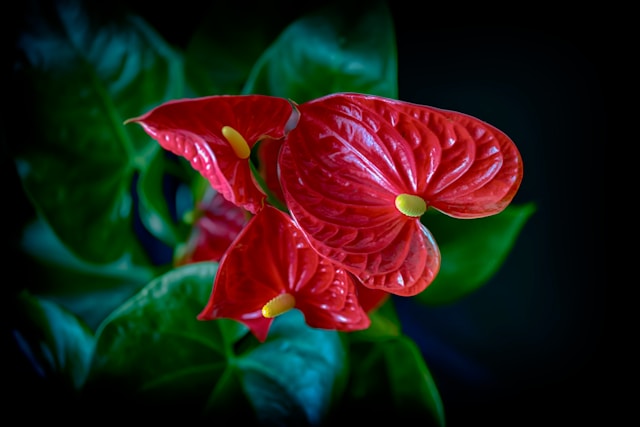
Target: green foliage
pixel 58 344
pixel 402 388
pixel 341 48
pixel 472 250
pixel 213 365
pixel 91 291
pixel 223 48
pixel 82 73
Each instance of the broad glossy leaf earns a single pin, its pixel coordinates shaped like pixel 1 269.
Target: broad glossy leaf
pixel 227 42
pixel 83 69
pixel 342 47
pixel 153 350
pixel 195 129
pixel 390 380
pixel 294 377
pixel 472 250
pixel 154 358
pixel 90 291
pixel 371 386
pixel 350 157
pixel 57 343
pixel 153 203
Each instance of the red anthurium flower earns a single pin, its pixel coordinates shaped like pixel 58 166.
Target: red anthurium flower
pixel 218 224
pixel 359 171
pixel 216 135
pixel 270 268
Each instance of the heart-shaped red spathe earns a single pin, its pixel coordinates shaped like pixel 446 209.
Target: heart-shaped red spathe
pixel 349 157
pixel 271 257
pixel 192 128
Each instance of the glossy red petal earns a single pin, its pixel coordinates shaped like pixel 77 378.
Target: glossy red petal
pixel 344 226
pixel 340 179
pixel 419 269
pixel 219 223
pixel 270 257
pixel 335 307
pixel 351 155
pixel 465 167
pixel 490 184
pixel 192 128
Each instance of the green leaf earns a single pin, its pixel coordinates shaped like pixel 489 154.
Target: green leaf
pixel 388 377
pixel 90 291
pixel 152 352
pixel 411 384
pixel 153 207
pixel 58 345
pixel 295 376
pixel 472 250
pixel 228 41
pixel 155 359
pixel 82 72
pixel 390 380
pixel 154 342
pixel 384 324
pixel 342 47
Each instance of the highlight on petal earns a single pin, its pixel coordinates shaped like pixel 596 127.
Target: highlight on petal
pixel 271 258
pixel 216 133
pixel 349 167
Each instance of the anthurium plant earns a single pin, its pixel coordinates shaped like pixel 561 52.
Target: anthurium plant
pixel 224 241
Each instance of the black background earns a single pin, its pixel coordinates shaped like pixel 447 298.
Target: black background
pixel 529 347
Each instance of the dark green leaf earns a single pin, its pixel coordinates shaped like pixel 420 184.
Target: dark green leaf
pixel 472 250
pixel 57 344
pixel 340 48
pixel 412 386
pixel 388 376
pixel 152 351
pixel 384 324
pixel 227 43
pixel 153 207
pixel 390 380
pixel 293 378
pixel 155 336
pixel 81 73
pixel 90 291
